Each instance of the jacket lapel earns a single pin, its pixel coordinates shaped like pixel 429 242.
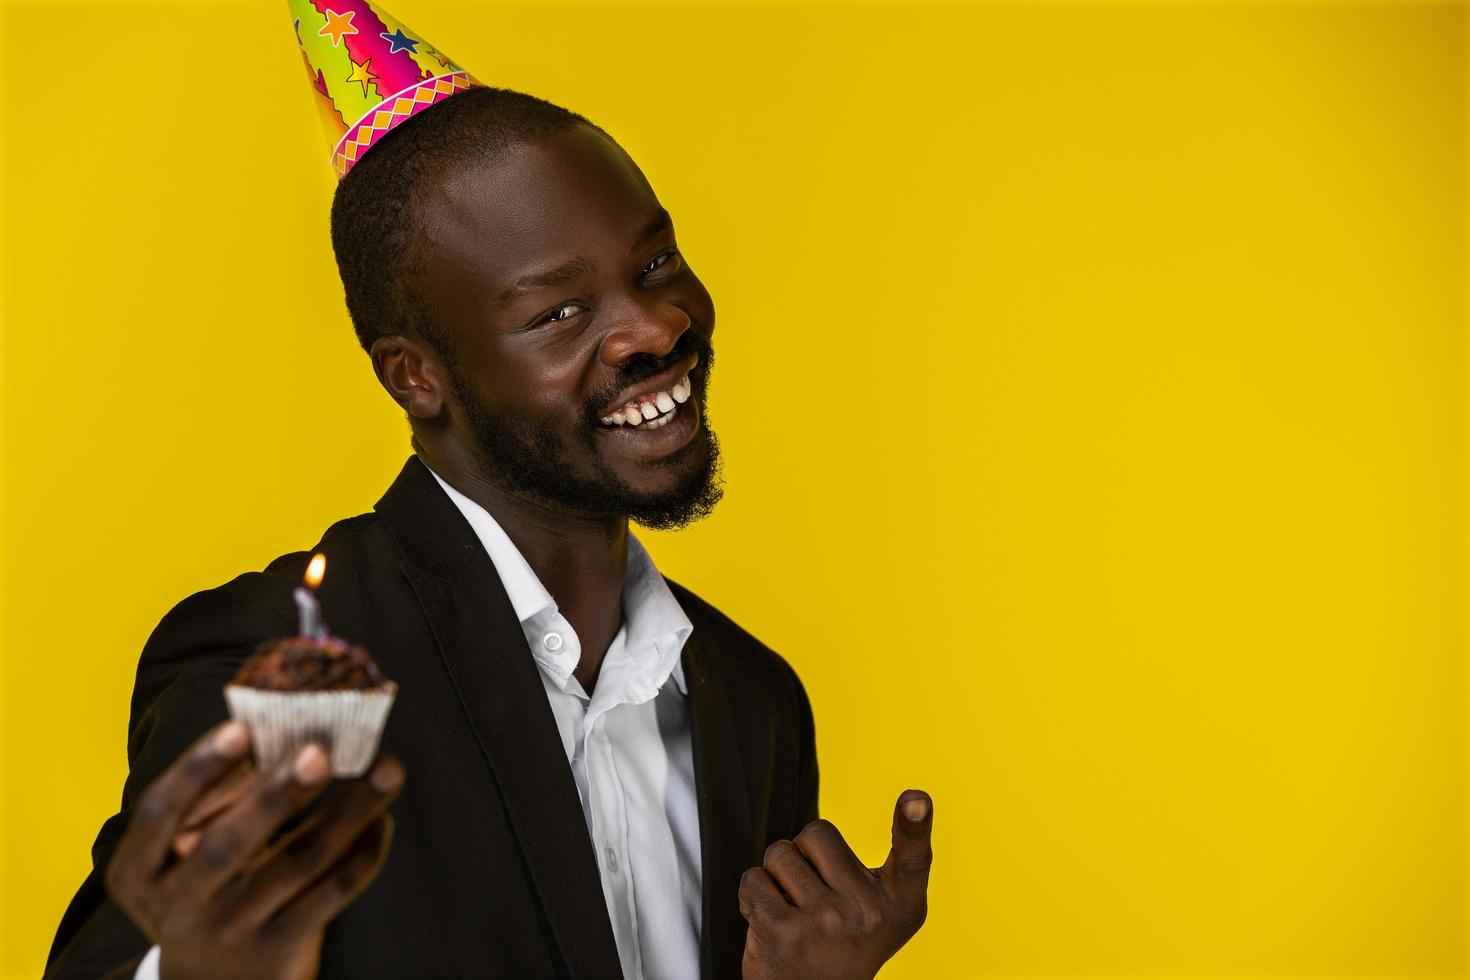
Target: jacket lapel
pixel 485 654
pixel 724 814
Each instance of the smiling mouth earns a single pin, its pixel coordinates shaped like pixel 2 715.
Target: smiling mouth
pixel 654 410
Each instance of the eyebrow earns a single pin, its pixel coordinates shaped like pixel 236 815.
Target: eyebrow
pixel 660 223
pixel 567 271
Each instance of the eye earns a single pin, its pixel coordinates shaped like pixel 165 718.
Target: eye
pixel 665 261
pixel 555 315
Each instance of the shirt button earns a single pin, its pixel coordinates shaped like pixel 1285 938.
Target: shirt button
pixel 552 641
pixel 612 859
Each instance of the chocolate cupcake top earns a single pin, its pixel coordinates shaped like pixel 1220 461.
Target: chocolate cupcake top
pixel 300 663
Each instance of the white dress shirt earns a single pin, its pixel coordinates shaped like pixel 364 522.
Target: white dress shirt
pixel 629 749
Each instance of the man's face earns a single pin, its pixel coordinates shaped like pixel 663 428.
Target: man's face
pixel 571 315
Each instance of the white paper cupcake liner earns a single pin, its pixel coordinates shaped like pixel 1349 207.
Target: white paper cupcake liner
pixel 348 724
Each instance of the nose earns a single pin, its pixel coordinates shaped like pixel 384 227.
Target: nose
pixel 647 327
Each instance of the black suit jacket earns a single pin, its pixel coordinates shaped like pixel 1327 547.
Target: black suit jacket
pixel 491 872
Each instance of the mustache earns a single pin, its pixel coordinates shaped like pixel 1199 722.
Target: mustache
pixel 642 366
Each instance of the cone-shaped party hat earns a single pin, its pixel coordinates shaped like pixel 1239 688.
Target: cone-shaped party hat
pixel 368 71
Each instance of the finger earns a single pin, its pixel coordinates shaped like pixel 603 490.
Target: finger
pixel 360 800
pixel 760 898
pixel 305 854
pixel 163 806
pixel 185 842
pixel 338 887
pixel 219 798
pixel 786 864
pixel 827 851
pixel 906 872
pixel 234 837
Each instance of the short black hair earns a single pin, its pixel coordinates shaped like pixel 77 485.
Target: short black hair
pixel 375 207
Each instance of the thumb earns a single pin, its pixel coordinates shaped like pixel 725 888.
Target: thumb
pixel 906 872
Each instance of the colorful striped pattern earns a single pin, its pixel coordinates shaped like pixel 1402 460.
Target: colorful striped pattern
pixel 368 72
pixel 357 140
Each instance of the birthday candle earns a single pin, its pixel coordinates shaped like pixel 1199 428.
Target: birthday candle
pixel 309 612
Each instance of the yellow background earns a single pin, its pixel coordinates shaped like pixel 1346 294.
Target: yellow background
pixel 1092 380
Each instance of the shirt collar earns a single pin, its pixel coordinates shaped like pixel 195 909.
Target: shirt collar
pixel 527 595
pixel 652 617
pixel 653 620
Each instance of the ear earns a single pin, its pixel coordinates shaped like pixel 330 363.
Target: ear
pixel 410 371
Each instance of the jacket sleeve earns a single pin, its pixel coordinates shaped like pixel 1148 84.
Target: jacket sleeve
pixel 806 773
pixel 177 695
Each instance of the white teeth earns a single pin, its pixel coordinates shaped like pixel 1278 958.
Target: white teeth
pixel 657 423
pixel 655 412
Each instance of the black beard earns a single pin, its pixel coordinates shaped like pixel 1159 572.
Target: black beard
pixel 529 458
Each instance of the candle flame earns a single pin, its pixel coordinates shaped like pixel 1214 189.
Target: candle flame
pixel 316 569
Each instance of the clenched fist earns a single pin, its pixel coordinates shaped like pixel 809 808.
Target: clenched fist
pixel 817 913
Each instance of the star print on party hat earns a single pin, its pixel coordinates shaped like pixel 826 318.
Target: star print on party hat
pixel 369 73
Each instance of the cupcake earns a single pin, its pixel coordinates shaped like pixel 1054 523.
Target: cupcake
pixel 321 689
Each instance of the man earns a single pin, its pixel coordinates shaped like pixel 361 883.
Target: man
pixel 591 771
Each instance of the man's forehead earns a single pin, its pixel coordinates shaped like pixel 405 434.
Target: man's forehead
pixel 545 201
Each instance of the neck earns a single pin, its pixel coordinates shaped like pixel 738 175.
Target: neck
pixel 581 560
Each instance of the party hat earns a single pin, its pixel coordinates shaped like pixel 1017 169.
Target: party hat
pixel 369 72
